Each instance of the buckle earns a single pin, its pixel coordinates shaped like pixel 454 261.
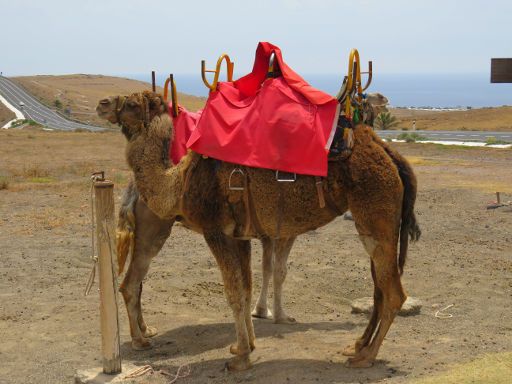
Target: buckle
pixel 236 187
pixel 286 177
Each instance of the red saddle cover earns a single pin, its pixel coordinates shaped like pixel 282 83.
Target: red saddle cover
pixel 277 123
pixel 183 125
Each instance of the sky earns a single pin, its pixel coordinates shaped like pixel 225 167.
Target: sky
pixel 126 36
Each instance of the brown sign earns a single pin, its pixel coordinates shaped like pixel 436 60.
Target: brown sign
pixel 501 70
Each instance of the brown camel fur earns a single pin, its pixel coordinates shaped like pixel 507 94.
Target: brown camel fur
pixel 374 182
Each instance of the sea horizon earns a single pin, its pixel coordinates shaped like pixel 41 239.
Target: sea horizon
pixel 446 91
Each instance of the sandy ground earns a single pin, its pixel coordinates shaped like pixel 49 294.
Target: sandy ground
pixel 49 329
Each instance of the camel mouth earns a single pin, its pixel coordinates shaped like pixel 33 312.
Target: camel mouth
pixel 106 114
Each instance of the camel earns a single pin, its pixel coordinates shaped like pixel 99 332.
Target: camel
pixel 142 234
pixel 374 182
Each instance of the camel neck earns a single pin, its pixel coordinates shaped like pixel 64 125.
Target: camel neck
pixel 160 187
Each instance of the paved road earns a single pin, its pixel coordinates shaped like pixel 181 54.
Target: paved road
pixel 480 136
pixel 34 110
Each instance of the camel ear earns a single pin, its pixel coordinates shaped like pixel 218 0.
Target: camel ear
pixel 156 103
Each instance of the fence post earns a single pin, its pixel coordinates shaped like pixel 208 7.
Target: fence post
pixel 105 235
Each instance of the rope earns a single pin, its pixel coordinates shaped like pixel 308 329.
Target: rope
pixel 440 315
pixel 183 371
pixel 94 258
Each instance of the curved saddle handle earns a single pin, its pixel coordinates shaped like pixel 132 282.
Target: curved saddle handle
pixel 352 82
pixel 229 66
pixel 174 94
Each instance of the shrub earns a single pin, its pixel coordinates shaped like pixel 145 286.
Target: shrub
pixel 58 104
pixel 385 120
pixel 491 140
pixel 411 137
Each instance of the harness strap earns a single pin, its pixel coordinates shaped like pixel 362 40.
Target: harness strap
pixel 119 105
pixel 280 209
pixel 320 190
pixel 188 175
pixel 247 206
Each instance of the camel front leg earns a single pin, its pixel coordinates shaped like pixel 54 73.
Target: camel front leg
pixel 267 264
pixel 150 235
pixel 282 251
pixel 233 258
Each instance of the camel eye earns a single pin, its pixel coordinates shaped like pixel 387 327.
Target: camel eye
pixel 132 104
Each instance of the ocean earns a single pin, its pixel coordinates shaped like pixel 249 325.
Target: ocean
pixel 402 90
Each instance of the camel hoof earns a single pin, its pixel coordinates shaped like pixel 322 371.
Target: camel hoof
pixel 359 363
pixel 238 363
pixel 142 345
pixel 233 349
pixel 261 313
pixel 285 319
pixel 150 331
pixel 350 350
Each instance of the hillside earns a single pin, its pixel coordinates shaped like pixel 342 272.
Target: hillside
pixel 6 115
pixel 80 93
pixel 482 119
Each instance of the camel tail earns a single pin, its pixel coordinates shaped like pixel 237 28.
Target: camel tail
pixel 125 233
pixel 409 227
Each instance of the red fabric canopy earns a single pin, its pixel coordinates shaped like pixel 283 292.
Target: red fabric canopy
pixel 278 123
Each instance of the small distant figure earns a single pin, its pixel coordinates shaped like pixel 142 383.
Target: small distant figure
pixel 414 125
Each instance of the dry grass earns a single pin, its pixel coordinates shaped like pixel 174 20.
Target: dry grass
pixel 81 93
pixel 60 160
pixel 4 183
pixel 491 369
pixel 482 119
pixel 6 115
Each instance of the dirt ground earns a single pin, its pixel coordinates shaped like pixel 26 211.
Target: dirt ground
pixel 49 329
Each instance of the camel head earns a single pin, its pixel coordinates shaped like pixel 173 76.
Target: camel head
pixel 374 104
pixel 133 113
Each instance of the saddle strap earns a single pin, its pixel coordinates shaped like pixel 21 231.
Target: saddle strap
pixel 320 190
pixel 247 207
pixel 279 214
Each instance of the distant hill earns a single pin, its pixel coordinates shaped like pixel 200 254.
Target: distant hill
pixel 480 119
pixel 81 93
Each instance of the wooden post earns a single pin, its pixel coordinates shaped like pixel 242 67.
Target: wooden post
pixel 105 235
pixel 153 81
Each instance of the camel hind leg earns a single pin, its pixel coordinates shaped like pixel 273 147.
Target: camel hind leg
pixel 275 256
pixel 282 251
pixel 379 235
pixel 267 266
pixel 234 260
pixel 150 235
